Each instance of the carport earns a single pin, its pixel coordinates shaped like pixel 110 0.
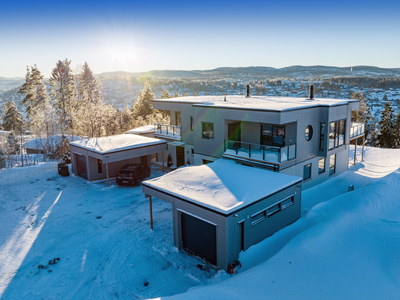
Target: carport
pixel 103 157
pixel 223 208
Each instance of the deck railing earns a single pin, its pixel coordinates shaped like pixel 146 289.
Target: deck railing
pixel 357 129
pixel 270 154
pixel 167 130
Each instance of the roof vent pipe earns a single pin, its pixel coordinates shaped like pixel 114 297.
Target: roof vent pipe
pixel 248 90
pixel 311 92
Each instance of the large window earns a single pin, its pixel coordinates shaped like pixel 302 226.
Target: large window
pixel 272 135
pixel 337 132
pixel 306 172
pixel 322 137
pixel 208 131
pixel 321 165
pixel 332 164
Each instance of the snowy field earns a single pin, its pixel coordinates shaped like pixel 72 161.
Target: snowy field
pixel 345 246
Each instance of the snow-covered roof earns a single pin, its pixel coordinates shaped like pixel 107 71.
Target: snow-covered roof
pixel 53 140
pixel 114 143
pixel 274 103
pixel 223 185
pixel 141 130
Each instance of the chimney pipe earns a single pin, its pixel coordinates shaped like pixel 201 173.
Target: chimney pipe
pixel 248 90
pixel 311 92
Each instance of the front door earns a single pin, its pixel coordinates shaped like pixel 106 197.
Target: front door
pixel 180 156
pixel 81 165
pixel 235 132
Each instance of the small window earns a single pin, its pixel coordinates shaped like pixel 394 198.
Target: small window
pixel 191 123
pixel 308 133
pixel 306 172
pixel 322 137
pixel 321 166
pixel 192 151
pixel 332 164
pixel 208 131
pixel 99 166
pixel 274 209
pixel 255 219
pixel 286 203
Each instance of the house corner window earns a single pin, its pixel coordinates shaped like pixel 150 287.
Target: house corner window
pixel 178 118
pixel 332 164
pixel 337 134
pixel 99 166
pixel 321 165
pixel 306 172
pixel 208 131
pixel 308 133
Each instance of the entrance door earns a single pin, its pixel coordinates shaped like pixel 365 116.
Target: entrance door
pixel 199 238
pixel 235 132
pixel 180 156
pixel 81 165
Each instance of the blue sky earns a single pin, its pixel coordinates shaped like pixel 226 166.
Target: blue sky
pixel 140 36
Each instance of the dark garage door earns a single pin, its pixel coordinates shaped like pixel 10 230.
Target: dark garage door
pixel 81 165
pixel 199 238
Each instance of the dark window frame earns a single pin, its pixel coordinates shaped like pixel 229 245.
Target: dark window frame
pixel 308 133
pixel 304 168
pixel 336 130
pixel 210 136
pixel 332 168
pixel 322 136
pixel 177 118
pixel 276 131
pixel 268 212
pixel 191 123
pixel 320 171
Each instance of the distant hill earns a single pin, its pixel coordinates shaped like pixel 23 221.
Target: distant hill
pixel 306 72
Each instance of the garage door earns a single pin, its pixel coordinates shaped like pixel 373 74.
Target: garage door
pixel 199 238
pixel 81 165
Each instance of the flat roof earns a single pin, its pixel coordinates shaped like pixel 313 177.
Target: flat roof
pixel 223 186
pixel 273 103
pixel 115 143
pixel 141 130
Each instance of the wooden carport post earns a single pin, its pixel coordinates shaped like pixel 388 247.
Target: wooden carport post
pixel 362 152
pixel 355 151
pixel 151 213
pixel 108 181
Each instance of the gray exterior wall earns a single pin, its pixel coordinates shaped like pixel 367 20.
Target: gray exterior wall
pixel 227 226
pixel 113 167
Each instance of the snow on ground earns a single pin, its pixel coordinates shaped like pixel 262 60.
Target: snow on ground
pixel 101 235
pixel 345 246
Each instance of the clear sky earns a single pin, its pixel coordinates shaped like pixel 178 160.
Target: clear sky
pixel 139 36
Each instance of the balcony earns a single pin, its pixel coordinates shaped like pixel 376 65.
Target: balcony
pixel 266 154
pixel 356 130
pixel 167 131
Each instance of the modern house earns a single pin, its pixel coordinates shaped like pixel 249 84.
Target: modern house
pixel 308 138
pixel 103 157
pixel 271 147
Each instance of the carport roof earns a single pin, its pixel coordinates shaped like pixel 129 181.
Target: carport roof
pixel 223 186
pixel 114 143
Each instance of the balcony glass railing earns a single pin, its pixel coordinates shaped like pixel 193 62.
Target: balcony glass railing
pixel 356 129
pixel 271 154
pixel 167 130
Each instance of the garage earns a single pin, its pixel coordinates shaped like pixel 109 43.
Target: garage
pixel 199 237
pixel 103 157
pixel 223 208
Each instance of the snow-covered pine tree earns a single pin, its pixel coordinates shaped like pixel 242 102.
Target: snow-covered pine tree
pixel 385 138
pixel 143 105
pixel 62 93
pixel 12 118
pixel 396 131
pixel 165 94
pixel 126 117
pixel 91 103
pixel 363 115
pixel 28 90
pixel 112 120
pixel 372 137
pixel 176 95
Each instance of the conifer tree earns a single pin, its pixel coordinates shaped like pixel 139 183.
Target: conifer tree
pixel 386 138
pixel 396 131
pixel 12 120
pixel 91 103
pixel 62 92
pixel 126 116
pixel 176 95
pixel 165 94
pixel 372 137
pixel 143 105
